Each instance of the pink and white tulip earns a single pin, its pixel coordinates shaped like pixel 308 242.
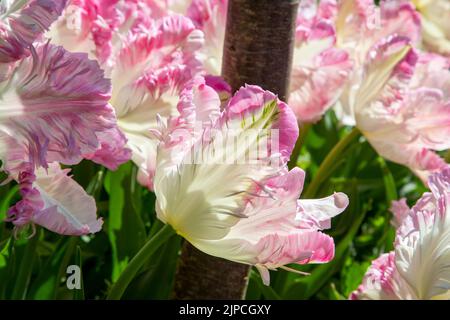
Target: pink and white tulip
pixel 46 116
pixel 397 96
pixel 409 117
pixel 419 267
pixel 235 198
pixel 53 109
pixel 148 60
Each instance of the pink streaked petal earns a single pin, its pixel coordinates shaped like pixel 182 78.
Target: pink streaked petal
pixel 68 209
pixel 427 113
pixel 400 209
pixel 53 117
pixel 314 21
pixel 439 183
pixel 199 103
pixel 432 71
pixel 382 281
pixel 421 244
pixel 220 85
pixel 425 162
pixel 112 151
pixel 271 236
pixel 317 213
pixel 88 26
pixel 21 214
pixel 52 199
pixel 317 87
pixel 388 68
pixel 399 18
pixel 354 20
pixel 210 17
pixel 169 33
pixel 273 250
pixel 155 62
pixel 300 247
pixel 251 103
pixel 21 28
pixel 275 207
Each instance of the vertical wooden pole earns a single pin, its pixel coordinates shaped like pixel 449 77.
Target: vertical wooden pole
pixel 258 50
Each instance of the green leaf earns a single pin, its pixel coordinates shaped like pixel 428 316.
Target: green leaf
pixel 353 274
pixel 6 266
pixel 156 279
pixel 6 201
pixel 78 294
pixel 389 182
pixel 266 291
pixel 126 230
pixel 46 285
pixel 25 270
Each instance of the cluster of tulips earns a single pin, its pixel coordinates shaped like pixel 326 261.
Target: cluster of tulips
pixel 112 81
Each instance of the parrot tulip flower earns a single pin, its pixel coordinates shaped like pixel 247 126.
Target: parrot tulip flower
pixel 418 268
pixel 396 96
pixel 46 118
pixel 148 60
pixel 222 183
pixel 53 109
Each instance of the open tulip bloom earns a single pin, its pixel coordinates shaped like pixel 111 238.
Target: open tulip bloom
pixel 47 118
pixel 222 183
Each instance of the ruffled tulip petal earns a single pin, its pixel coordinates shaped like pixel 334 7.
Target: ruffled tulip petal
pixel 88 26
pixel 383 282
pixel 112 151
pixel 410 116
pixel 210 17
pixel 54 108
pixel 157 64
pixel 253 108
pixel 52 199
pixel 317 213
pixel 316 87
pixel 23 22
pixel 320 70
pixel 400 211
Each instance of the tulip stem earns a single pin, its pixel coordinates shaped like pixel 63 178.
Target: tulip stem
pixel 327 164
pixel 26 268
pixel 138 261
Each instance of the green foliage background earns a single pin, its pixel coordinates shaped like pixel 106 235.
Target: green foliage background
pixel 36 268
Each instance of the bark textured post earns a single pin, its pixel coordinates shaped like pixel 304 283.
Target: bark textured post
pixel 257 50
